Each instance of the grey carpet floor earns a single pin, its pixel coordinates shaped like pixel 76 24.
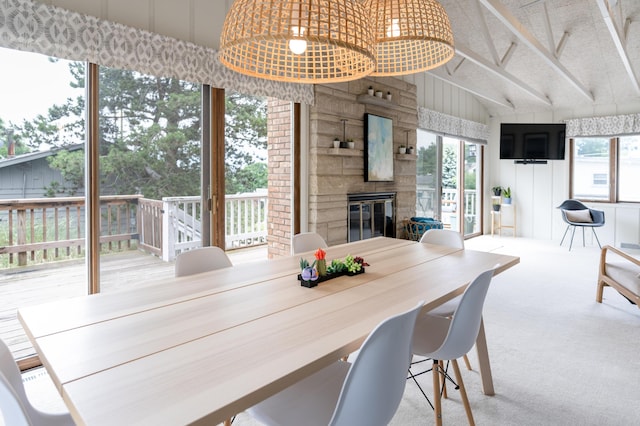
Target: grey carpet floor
pixel 558 357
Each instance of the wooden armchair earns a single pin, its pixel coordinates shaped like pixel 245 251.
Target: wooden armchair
pixel 620 271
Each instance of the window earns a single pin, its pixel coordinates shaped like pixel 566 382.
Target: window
pixel 604 169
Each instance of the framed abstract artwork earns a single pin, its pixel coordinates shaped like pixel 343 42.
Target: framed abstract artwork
pixel 378 146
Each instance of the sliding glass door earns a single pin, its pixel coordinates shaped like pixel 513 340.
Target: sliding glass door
pixel 449 182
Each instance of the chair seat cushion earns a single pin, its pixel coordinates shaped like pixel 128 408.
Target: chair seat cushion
pixel 579 216
pixel 625 273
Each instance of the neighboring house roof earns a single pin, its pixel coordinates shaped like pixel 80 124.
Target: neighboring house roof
pixel 31 156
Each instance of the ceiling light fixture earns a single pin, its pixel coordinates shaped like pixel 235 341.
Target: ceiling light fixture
pixel 411 35
pixel 302 41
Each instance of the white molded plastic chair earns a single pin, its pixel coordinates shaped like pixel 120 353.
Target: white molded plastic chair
pixel 201 260
pixel 14 404
pixel 446 237
pixel 307 241
pixel 443 237
pixel 447 339
pixel 366 392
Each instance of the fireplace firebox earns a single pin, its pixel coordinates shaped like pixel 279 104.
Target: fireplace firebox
pixel 371 215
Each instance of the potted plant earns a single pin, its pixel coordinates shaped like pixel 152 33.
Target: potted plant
pixel 351 144
pixel 336 143
pixel 496 205
pixel 402 149
pixel 506 194
pixel 410 150
pixel 370 90
pixel 497 191
pixel 388 96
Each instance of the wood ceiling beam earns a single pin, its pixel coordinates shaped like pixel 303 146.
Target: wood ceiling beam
pixel 548 30
pixel 486 34
pixel 501 12
pixel 500 72
pixel 619 39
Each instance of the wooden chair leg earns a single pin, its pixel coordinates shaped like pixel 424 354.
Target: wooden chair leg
pixel 463 392
pixel 227 422
pixel 600 291
pixel 466 362
pixel 437 408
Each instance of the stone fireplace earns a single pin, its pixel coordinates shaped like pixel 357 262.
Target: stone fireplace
pixel 342 206
pixel 371 215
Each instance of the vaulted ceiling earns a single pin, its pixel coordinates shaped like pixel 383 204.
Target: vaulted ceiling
pixel 543 55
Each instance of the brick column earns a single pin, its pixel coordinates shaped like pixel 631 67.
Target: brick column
pixel 279 180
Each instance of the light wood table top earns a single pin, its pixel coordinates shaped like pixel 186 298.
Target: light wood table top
pixel 205 347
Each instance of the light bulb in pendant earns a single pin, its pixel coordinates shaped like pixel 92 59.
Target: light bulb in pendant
pixel 297 45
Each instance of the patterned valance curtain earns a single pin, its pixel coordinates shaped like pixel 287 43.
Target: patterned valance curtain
pixel 612 125
pixel 452 126
pixel 49 30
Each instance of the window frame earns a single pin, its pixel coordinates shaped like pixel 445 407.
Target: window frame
pixel 614 162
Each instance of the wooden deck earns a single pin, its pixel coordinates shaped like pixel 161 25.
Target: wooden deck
pixel 60 280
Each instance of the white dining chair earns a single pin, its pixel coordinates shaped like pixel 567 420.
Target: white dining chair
pixel 307 241
pixel 447 339
pixel 15 407
pixel 453 239
pixel 367 392
pixel 201 260
pixel 443 237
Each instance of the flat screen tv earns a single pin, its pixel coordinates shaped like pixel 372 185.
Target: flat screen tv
pixel 537 141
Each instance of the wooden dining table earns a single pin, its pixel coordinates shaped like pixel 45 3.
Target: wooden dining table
pixel 201 348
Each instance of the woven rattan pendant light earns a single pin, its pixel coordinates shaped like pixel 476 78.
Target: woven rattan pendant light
pixel 411 35
pixel 303 41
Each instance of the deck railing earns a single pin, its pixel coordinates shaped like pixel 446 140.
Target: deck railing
pixel 426 200
pixel 246 222
pixel 41 229
pixel 45 229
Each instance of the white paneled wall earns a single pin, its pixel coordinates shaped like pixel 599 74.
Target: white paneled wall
pixel 539 189
pixel 440 96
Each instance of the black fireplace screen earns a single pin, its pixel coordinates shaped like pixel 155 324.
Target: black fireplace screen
pixel 371 215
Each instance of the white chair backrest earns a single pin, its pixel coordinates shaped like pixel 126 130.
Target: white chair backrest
pixel 9 369
pixel 375 383
pixel 443 237
pixel 465 324
pixel 201 260
pixel 11 409
pixel 307 241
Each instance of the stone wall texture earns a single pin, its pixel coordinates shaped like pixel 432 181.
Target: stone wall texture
pixel 335 173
